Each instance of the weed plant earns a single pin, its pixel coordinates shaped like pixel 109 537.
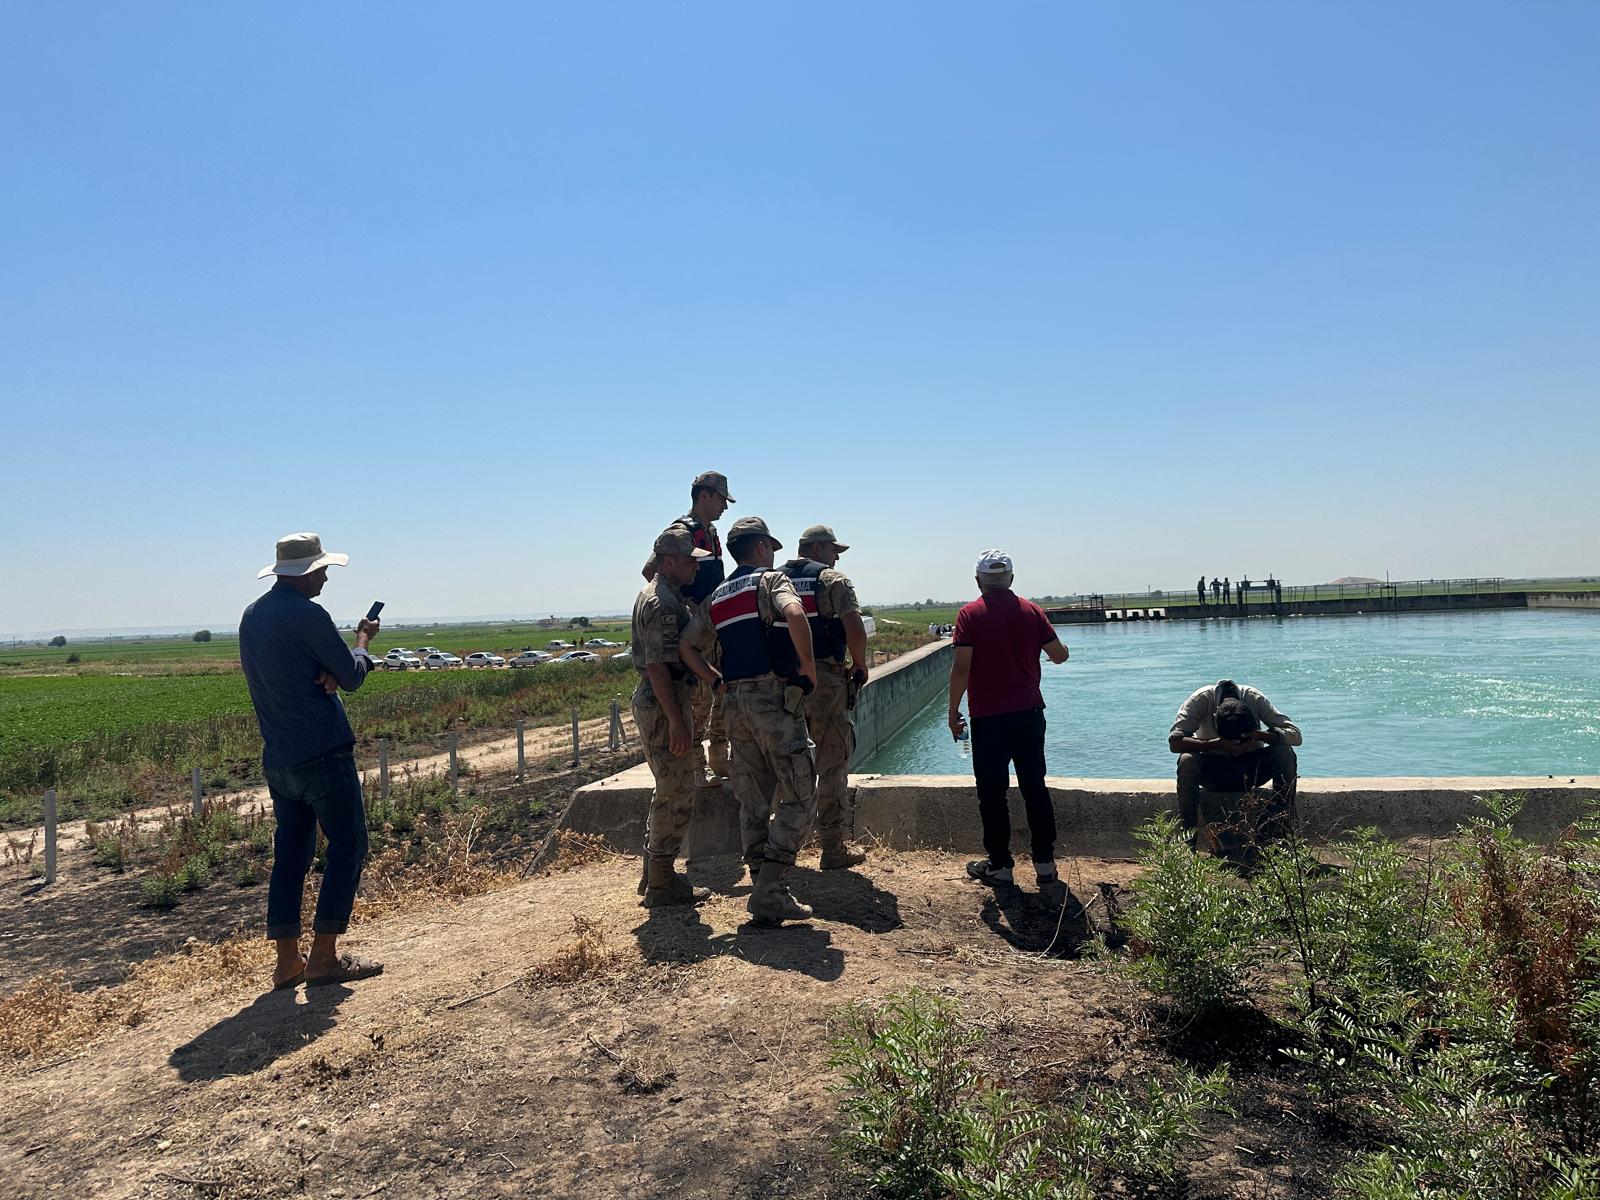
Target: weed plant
pixel 923 1122
pixel 1452 1005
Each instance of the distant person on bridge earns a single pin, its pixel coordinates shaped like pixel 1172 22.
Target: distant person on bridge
pixel 998 640
pixel 1216 590
pixel 1227 591
pixel 294 664
pixel 1230 738
pixel 1200 591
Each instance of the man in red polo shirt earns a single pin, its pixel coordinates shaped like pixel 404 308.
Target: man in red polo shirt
pixel 998 639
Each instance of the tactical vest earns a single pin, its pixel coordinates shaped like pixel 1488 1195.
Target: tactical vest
pixel 750 647
pixel 711 572
pixel 827 633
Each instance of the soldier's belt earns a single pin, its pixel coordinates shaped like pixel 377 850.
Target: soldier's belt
pixel 766 680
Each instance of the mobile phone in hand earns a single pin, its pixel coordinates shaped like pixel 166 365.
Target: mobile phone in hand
pixel 377 607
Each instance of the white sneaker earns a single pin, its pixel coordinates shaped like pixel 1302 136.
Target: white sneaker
pixel 1046 871
pixel 986 872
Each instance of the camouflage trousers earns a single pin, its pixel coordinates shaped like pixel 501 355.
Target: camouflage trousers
pixel 774 774
pixel 672 801
pixel 833 731
pixel 709 722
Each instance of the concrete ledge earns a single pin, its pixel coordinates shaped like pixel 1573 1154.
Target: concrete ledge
pixel 1095 816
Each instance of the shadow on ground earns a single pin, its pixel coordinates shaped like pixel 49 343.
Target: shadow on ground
pixel 273 1025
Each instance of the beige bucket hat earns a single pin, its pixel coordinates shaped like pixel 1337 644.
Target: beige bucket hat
pixel 301 554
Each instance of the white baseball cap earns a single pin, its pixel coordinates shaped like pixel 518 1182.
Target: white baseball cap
pixel 994 562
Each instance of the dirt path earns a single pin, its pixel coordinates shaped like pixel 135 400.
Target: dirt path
pixel 497 755
pixel 683 1055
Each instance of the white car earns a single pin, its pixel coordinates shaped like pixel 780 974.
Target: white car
pixel 483 658
pixel 439 660
pixel 424 651
pixel 401 660
pixel 558 644
pixel 606 642
pixel 530 658
pixel 577 656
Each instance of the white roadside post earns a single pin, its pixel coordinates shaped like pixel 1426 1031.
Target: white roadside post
pixel 522 761
pixel 383 769
pixel 576 752
pixel 613 734
pixel 50 836
pixel 196 793
pixel 455 739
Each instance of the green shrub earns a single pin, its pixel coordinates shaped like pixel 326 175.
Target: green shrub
pixel 248 874
pixel 907 1083
pixel 110 852
pixel 160 891
pixel 1195 930
pixel 195 873
pixel 923 1124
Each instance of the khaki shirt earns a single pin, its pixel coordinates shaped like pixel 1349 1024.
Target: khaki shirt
pixel 1197 718
pixel 659 618
pixel 836 595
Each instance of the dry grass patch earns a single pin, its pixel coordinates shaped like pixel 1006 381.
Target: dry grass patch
pixel 580 850
pixel 587 956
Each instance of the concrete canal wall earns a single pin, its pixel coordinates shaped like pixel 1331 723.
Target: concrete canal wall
pixel 898 691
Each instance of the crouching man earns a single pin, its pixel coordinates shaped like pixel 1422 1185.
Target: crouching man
pixel 1231 739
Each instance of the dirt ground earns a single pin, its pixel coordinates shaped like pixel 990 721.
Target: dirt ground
pixel 556 1039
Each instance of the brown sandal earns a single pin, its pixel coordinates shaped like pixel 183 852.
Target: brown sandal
pixel 348 969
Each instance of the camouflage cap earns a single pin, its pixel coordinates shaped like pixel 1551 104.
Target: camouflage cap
pixel 752 527
pixel 716 481
pixel 675 539
pixel 822 533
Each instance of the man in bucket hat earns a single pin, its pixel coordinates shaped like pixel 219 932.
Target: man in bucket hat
pixel 294 663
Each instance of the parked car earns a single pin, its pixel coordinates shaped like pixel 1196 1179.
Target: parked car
pixel 577 656
pixel 439 660
pixel 424 651
pixel 483 658
pixel 558 644
pixel 401 660
pixel 625 654
pixel 530 658
pixel 606 642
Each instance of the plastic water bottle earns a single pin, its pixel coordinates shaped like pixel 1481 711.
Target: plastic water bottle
pixel 964 743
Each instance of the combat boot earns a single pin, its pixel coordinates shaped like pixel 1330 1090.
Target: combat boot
pixel 666 886
pixel 704 776
pixel 771 903
pixel 837 854
pixel 717 760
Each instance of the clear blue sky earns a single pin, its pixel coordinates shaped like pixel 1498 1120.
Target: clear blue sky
pixel 1134 290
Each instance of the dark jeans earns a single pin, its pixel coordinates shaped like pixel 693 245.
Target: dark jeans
pixel 1219 773
pixel 997 743
pixel 325 791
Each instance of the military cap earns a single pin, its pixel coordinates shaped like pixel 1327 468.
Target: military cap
pixel 716 481
pixel 752 527
pixel 822 533
pixel 677 540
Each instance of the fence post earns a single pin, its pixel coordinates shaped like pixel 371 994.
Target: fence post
pixel 576 751
pixel 50 836
pixel 383 769
pixel 196 793
pixel 455 739
pixel 613 737
pixel 522 759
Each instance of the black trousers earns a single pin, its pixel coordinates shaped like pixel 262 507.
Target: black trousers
pixel 998 743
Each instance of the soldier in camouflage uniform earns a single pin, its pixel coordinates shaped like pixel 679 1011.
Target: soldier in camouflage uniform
pixel 709 499
pixel 664 660
pixel 767 669
pixel 830 602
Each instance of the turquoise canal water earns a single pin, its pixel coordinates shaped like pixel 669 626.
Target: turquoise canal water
pixel 1491 693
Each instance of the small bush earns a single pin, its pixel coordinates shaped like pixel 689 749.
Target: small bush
pixel 248 874
pixel 160 891
pixel 1196 931
pixel 74 657
pixel 110 852
pixel 195 873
